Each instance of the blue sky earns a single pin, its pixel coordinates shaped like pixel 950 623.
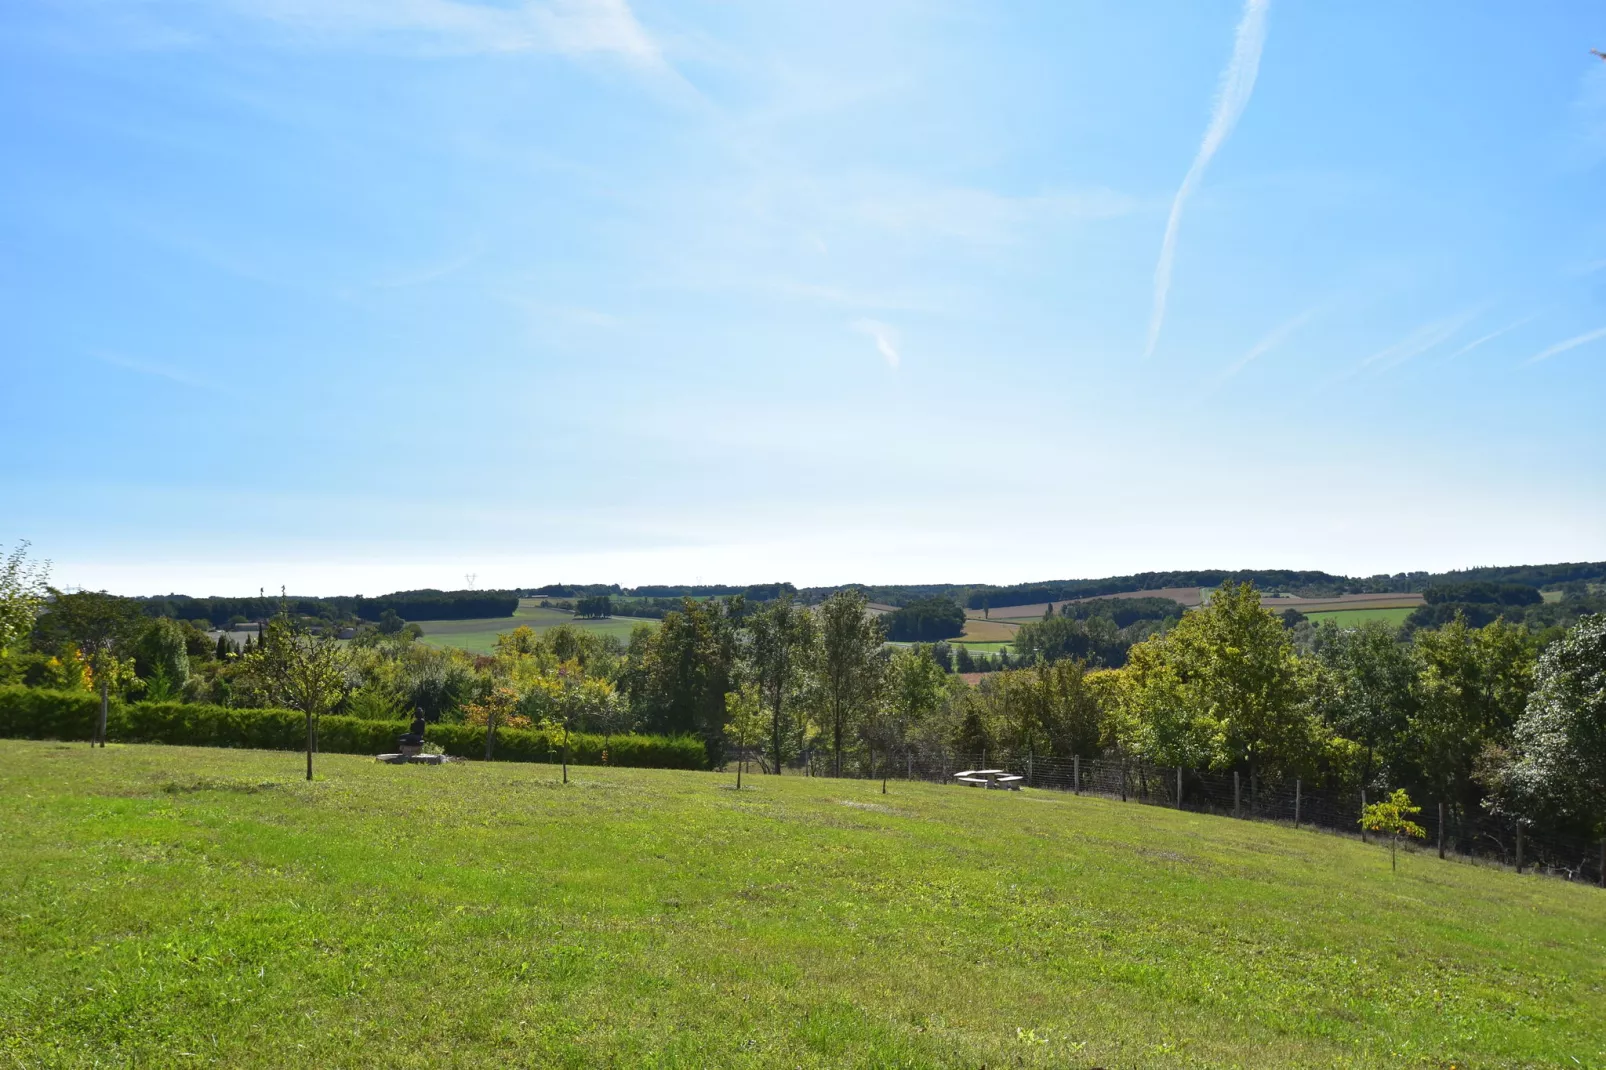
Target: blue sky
pixel 353 295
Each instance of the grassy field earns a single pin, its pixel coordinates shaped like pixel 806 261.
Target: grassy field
pixel 479 636
pixel 981 648
pixel 165 906
pixel 1349 618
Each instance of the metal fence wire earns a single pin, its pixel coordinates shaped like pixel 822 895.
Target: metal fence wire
pixel 1483 838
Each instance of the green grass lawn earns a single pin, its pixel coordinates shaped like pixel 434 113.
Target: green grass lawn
pixel 168 906
pixel 1349 618
pixel 479 636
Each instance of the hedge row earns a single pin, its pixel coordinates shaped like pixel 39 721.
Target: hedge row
pixel 32 713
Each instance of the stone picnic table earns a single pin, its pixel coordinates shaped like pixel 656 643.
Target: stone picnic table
pixel 990 778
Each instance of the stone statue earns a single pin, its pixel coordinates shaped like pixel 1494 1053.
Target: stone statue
pixel 413 741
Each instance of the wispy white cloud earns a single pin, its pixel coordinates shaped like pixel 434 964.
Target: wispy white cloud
pixel 1562 347
pixel 1491 336
pixel 1273 340
pixel 1589 113
pixel 1232 96
pixel 885 338
pixel 1427 337
pixel 982 215
pixel 454 26
pixel 155 371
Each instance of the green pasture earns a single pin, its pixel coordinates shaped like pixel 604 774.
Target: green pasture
pixel 980 648
pixel 1350 618
pixel 170 906
pixel 479 636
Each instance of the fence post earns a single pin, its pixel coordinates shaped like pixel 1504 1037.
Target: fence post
pixel 1076 774
pixel 1519 845
pixel 1441 829
pixel 1363 814
pixel 1297 786
pixel 1603 863
pixel 1237 795
pixel 1179 787
pixel 909 757
pixel 1028 769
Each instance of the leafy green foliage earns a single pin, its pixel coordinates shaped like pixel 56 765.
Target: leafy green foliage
pixel 31 713
pixel 779 650
pixel 22 592
pixel 1559 742
pixel 409 605
pixel 594 606
pixel 1093 639
pixel 1372 694
pixel 1391 817
pixel 1483 592
pixel 1473 684
pixel 849 668
pixel 684 670
pixel 1223 689
pixel 925 620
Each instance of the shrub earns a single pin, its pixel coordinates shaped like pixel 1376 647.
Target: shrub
pixel 31 713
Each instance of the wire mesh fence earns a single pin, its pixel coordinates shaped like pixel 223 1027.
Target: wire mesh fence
pixel 1485 838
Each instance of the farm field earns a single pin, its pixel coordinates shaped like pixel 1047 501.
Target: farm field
pixel 1194 596
pixel 479 636
pixel 1188 596
pixel 986 631
pixel 167 906
pixel 1349 618
pixel 1345 602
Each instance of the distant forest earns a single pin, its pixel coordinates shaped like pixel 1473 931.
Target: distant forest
pixel 1304 584
pixel 1480 594
pixel 408 605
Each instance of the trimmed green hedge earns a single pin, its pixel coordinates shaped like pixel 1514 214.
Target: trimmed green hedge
pixel 32 713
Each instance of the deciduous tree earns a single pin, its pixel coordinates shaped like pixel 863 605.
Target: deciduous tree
pixel 1560 739
pixel 22 592
pixel 780 642
pixel 301 671
pixel 849 666
pixel 104 628
pixel 1392 818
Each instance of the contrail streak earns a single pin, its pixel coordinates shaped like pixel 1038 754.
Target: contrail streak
pixel 1491 336
pixel 1562 347
pixel 1232 96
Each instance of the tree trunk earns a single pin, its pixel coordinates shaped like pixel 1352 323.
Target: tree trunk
pixel 836 743
pixel 100 725
pixel 490 732
pixel 309 744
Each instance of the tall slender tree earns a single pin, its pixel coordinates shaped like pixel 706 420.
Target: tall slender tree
pixel 781 638
pixel 849 665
